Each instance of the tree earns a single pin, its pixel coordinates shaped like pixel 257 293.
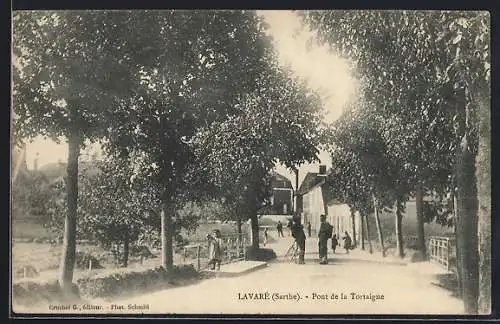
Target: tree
pixel 31 195
pixel 209 60
pixel 112 209
pixel 60 90
pixel 456 45
pixel 363 174
pixel 278 122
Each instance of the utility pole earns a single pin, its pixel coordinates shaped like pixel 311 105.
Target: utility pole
pixel 296 171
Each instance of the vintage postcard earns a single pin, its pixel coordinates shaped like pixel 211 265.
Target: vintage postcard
pixel 332 162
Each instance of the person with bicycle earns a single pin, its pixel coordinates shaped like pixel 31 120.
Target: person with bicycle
pixel 300 238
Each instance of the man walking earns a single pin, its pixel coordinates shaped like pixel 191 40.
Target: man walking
pixel 325 232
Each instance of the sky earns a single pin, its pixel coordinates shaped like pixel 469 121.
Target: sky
pixel 324 72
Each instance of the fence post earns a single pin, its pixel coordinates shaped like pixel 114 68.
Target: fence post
pixel 448 254
pixel 245 247
pixel 198 248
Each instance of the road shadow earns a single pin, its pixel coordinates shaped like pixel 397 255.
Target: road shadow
pixel 447 281
pixel 354 259
pixel 343 259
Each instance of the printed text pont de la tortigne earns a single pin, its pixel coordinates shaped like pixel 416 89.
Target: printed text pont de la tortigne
pixel 315 296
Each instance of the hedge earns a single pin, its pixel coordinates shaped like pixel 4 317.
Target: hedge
pixel 117 283
pixel 260 254
pixel 30 293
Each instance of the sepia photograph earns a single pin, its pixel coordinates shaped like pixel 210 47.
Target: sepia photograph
pixel 250 162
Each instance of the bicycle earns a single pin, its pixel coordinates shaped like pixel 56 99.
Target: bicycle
pixel 293 251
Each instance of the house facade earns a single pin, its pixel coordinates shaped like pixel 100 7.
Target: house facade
pixel 313 201
pixel 282 195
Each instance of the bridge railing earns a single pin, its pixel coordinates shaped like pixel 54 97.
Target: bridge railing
pixel 442 250
pixel 233 249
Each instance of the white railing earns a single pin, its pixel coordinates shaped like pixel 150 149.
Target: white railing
pixel 234 249
pixel 442 250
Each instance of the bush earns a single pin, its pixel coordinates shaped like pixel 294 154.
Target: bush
pixel 31 293
pixel 260 254
pixel 141 251
pixel 83 260
pixel 417 256
pixel 117 283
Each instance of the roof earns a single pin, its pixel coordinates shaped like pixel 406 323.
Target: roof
pixel 280 181
pixel 310 181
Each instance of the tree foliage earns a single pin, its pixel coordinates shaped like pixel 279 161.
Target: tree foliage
pixel 279 122
pixel 425 73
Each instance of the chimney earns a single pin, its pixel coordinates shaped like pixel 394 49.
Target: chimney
pixel 322 170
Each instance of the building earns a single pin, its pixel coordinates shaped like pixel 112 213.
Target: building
pixel 282 195
pixel 313 200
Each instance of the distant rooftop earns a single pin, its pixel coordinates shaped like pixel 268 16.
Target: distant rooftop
pixel 310 181
pixel 280 181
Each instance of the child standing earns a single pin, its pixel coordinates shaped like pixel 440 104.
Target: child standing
pixel 347 242
pixel 335 242
pixel 214 250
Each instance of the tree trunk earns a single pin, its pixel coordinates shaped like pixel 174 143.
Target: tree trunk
pixel 467 226
pixel 353 216
pixel 362 231
pixel 69 241
pixel 458 254
pixel 368 238
pixel 419 202
pixel 379 227
pixel 483 178
pixel 255 231
pixel 126 246
pixel 167 260
pixel 399 231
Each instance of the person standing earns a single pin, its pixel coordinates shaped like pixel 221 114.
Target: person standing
pixel 325 232
pixel 214 250
pixel 300 238
pixel 347 242
pixel 289 226
pixel 279 227
pixel 335 242
pixel 265 236
pixel 309 229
